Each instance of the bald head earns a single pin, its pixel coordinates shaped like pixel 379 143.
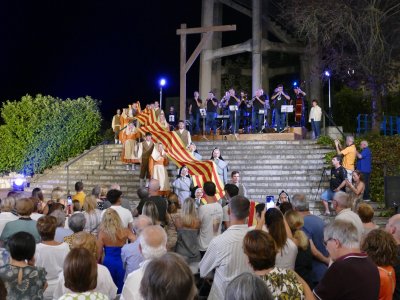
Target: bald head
pixel 154 186
pixel 393 227
pixel 140 223
pixel 153 242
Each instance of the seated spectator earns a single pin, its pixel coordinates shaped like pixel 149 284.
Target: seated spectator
pixel 130 253
pixel 24 208
pixel 57 196
pixel 261 251
pixel 80 273
pixel 285 207
pixel 76 223
pixel 50 254
pixel 280 232
pixel 188 225
pixel 150 210
pixel 22 279
pixel 359 276
pixel 366 214
pixel 168 278
pixel 56 206
pixel 37 194
pixel 105 284
pixel 382 249
pixel 7 206
pixel 76 206
pixel 153 242
pixel 112 236
pixel 115 198
pixel 342 205
pixel 314 229
pixel 174 208
pixel 80 195
pixel 303 264
pixel 247 286
pixel 160 202
pixel 61 231
pixel 96 194
pixel 357 188
pixel 35 215
pixel 92 215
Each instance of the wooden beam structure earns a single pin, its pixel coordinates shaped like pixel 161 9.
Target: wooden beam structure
pixel 185 65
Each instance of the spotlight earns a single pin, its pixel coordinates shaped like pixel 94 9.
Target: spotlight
pixel 19 183
pixel 327 73
pixel 162 82
pixel 294 83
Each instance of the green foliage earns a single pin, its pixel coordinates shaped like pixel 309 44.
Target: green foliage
pixel 42 131
pixel 385 159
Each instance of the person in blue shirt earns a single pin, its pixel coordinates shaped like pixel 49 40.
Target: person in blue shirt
pixel 364 165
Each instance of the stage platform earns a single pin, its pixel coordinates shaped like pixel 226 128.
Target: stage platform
pixel 295 133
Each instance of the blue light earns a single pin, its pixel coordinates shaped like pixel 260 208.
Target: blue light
pixel 163 82
pixel 294 83
pixel 19 181
pixel 327 73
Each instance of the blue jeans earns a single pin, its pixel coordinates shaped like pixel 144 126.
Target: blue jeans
pixel 225 122
pixel 280 119
pixel 194 122
pixel 316 127
pixel 211 122
pixel 256 116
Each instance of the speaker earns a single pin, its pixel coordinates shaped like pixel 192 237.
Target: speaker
pixel 392 191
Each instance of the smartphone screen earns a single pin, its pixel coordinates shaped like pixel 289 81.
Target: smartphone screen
pixel 69 199
pixel 269 202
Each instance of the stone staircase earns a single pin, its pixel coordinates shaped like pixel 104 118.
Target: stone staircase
pixel 266 168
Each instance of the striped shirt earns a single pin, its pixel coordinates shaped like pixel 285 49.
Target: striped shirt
pixel 225 255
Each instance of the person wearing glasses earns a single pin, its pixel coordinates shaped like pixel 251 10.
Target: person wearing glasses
pixel 352 275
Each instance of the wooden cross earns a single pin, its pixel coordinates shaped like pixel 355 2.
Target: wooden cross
pixel 185 65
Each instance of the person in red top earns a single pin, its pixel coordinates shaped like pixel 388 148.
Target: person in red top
pixel 382 249
pixel 352 275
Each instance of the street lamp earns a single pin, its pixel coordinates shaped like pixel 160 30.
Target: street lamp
pixel 328 74
pixel 161 84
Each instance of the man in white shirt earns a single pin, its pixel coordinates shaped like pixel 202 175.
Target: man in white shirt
pixel 114 196
pixel 210 216
pixel 153 244
pixel 342 205
pixel 225 253
pixel 315 118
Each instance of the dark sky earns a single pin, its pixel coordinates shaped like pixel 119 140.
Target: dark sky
pixel 114 51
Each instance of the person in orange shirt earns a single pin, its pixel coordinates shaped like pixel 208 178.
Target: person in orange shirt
pixel 129 154
pixel 349 155
pixel 124 121
pixel 80 195
pixel 382 249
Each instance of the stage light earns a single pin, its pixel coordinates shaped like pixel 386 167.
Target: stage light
pixel 163 82
pixel 327 73
pixel 19 183
pixel 295 83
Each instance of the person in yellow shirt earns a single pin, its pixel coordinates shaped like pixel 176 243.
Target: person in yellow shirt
pixel 349 155
pixel 80 195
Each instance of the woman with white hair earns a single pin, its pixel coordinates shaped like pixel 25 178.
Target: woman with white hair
pixel 6 215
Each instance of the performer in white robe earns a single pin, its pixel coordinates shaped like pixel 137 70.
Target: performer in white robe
pixel 222 166
pixel 158 168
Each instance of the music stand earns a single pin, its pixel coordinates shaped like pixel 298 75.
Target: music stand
pixel 286 109
pixel 234 108
pixel 203 115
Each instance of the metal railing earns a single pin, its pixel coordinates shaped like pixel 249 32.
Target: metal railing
pixel 76 159
pixel 333 123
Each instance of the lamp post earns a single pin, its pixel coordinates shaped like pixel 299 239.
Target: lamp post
pixel 328 74
pixel 162 84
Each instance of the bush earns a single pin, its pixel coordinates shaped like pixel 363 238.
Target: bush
pixel 42 131
pixel 385 158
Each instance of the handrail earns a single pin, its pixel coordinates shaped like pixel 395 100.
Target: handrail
pixel 103 144
pixel 334 124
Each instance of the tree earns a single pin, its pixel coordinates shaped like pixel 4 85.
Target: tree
pixel 358 40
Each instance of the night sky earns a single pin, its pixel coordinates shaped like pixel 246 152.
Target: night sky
pixel 114 51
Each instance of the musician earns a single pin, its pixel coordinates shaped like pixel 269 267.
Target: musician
pixel 211 107
pixel 233 101
pixel 260 107
pixel 224 109
pixel 194 113
pixel 244 113
pixel 279 98
pixel 299 96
